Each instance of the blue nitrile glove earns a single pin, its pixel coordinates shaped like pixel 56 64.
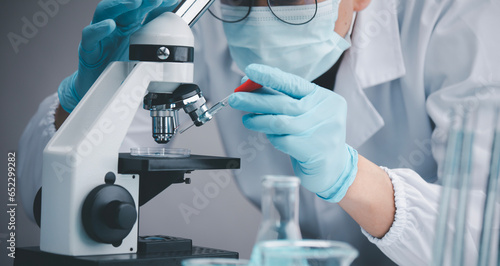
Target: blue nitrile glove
pixel 305 121
pixel 105 40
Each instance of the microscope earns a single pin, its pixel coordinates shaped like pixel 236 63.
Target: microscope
pixel 92 193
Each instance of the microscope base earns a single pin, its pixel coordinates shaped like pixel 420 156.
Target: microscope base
pixel 28 256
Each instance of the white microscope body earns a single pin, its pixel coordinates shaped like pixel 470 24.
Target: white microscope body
pixel 83 154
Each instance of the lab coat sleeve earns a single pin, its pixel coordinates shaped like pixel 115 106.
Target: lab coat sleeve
pixel 35 137
pixel 411 237
pixel 409 240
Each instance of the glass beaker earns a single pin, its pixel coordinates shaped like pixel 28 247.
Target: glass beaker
pixel 280 208
pixel 303 253
pixel 214 262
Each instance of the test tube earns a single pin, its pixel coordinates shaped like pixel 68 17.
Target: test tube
pixel 492 191
pixel 451 161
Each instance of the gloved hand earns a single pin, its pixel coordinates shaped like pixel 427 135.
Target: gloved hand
pixel 105 40
pixel 305 121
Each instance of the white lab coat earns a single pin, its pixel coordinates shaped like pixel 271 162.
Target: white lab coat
pixel 411 62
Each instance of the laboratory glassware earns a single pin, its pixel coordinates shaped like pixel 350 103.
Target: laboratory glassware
pixel 280 208
pixel 214 262
pixel 450 245
pixel 303 253
pixel 487 245
pixel 160 152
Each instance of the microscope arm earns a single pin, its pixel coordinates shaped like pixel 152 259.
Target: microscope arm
pixel 86 148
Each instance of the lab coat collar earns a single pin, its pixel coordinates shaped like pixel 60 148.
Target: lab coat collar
pixel 376 45
pixel 374 58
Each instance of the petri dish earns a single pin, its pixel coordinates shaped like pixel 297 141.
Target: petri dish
pixel 160 152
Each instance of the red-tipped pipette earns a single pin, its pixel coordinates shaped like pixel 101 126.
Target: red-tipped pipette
pixel 247 86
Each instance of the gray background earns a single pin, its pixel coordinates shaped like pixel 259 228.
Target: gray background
pixel 27 77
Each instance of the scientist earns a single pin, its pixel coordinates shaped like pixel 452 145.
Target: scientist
pixel 349 87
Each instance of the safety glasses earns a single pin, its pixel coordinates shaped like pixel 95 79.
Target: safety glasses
pixel 241 9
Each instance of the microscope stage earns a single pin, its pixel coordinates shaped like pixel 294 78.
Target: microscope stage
pixel 129 164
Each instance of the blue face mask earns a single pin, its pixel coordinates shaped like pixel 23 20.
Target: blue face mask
pixel 307 50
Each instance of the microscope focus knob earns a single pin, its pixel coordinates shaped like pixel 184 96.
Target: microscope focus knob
pixel 120 215
pixel 109 214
